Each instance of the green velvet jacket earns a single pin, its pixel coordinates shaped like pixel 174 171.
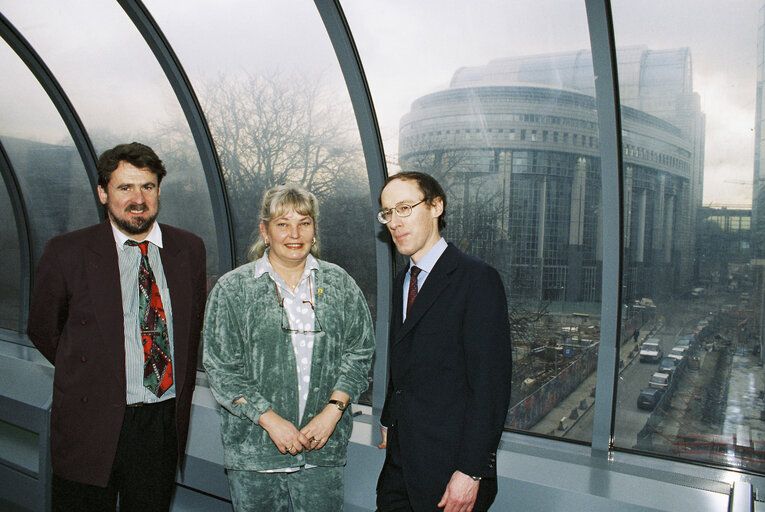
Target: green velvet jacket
pixel 247 354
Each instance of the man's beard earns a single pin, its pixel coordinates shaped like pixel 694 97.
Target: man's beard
pixel 134 228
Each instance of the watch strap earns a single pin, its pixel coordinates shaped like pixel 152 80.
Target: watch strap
pixel 340 404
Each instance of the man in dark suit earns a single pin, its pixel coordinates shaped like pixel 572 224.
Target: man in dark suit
pixel 117 308
pixel 450 362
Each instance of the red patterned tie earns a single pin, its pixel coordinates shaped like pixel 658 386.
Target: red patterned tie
pixel 158 366
pixel 412 287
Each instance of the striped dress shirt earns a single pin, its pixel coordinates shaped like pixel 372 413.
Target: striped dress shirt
pixel 129 258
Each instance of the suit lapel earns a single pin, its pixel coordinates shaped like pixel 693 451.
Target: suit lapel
pixel 434 286
pixel 103 276
pixel 398 305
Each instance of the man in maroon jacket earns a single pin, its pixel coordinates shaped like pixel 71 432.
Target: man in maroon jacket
pixel 117 308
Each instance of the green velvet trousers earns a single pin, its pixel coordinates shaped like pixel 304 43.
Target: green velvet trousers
pixel 318 489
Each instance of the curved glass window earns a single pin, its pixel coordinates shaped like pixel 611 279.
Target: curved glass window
pixel 53 181
pixel 121 94
pixel 278 108
pixel 501 119
pixel 10 271
pixel 691 378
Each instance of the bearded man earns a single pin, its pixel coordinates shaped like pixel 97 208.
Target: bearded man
pixel 117 309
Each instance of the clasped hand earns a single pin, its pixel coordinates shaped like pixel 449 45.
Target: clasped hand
pixel 288 439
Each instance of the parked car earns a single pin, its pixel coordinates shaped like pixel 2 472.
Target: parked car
pixel 678 353
pixel 650 351
pixel 660 380
pixel 649 398
pixel 684 342
pixel 668 365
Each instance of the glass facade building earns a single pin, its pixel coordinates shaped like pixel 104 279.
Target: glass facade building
pixel 521 135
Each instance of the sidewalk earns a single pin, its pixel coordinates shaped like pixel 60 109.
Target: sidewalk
pixel 571 409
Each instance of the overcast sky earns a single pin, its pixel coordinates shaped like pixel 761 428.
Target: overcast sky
pixel 408 48
pixel 429 44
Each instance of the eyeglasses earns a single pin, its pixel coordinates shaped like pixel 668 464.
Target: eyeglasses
pixel 401 209
pixel 285 317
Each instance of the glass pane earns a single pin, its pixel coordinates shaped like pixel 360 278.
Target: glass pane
pixel 506 121
pixel 10 271
pixel 278 108
pixel 121 95
pixel 50 172
pixel 692 377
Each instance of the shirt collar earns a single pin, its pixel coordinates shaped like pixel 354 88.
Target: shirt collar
pixel 263 265
pixel 428 261
pixel 154 236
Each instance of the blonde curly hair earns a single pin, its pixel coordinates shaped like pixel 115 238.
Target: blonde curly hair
pixel 279 200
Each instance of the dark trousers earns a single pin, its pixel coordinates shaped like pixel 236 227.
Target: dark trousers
pixel 392 493
pixel 143 474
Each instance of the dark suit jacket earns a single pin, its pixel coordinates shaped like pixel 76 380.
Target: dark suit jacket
pixel 449 383
pixel 76 322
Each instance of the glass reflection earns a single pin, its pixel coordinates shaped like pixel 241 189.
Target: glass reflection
pixel 506 121
pixel 690 267
pixel 86 45
pixel 53 181
pixel 276 102
pixel 10 271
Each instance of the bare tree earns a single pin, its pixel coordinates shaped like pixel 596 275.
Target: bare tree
pixel 273 128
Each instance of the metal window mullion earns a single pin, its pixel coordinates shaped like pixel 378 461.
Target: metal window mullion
pixel 350 63
pixel 55 92
pixel 610 134
pixel 26 264
pixel 200 130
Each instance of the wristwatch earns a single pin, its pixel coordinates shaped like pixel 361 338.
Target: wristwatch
pixel 340 404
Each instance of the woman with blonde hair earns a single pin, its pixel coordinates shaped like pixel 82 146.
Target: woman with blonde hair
pixel 288 341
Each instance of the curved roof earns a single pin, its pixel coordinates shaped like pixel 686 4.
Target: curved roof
pixel 644 74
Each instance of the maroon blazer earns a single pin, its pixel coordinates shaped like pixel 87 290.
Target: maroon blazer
pixel 76 322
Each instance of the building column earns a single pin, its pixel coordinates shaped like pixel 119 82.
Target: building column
pixel 505 165
pixel 669 211
pixel 640 235
pixel 573 290
pixel 576 217
pixel 541 228
pixel 658 220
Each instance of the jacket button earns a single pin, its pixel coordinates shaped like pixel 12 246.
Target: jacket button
pixel 83 321
pixel 84 399
pixel 83 359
